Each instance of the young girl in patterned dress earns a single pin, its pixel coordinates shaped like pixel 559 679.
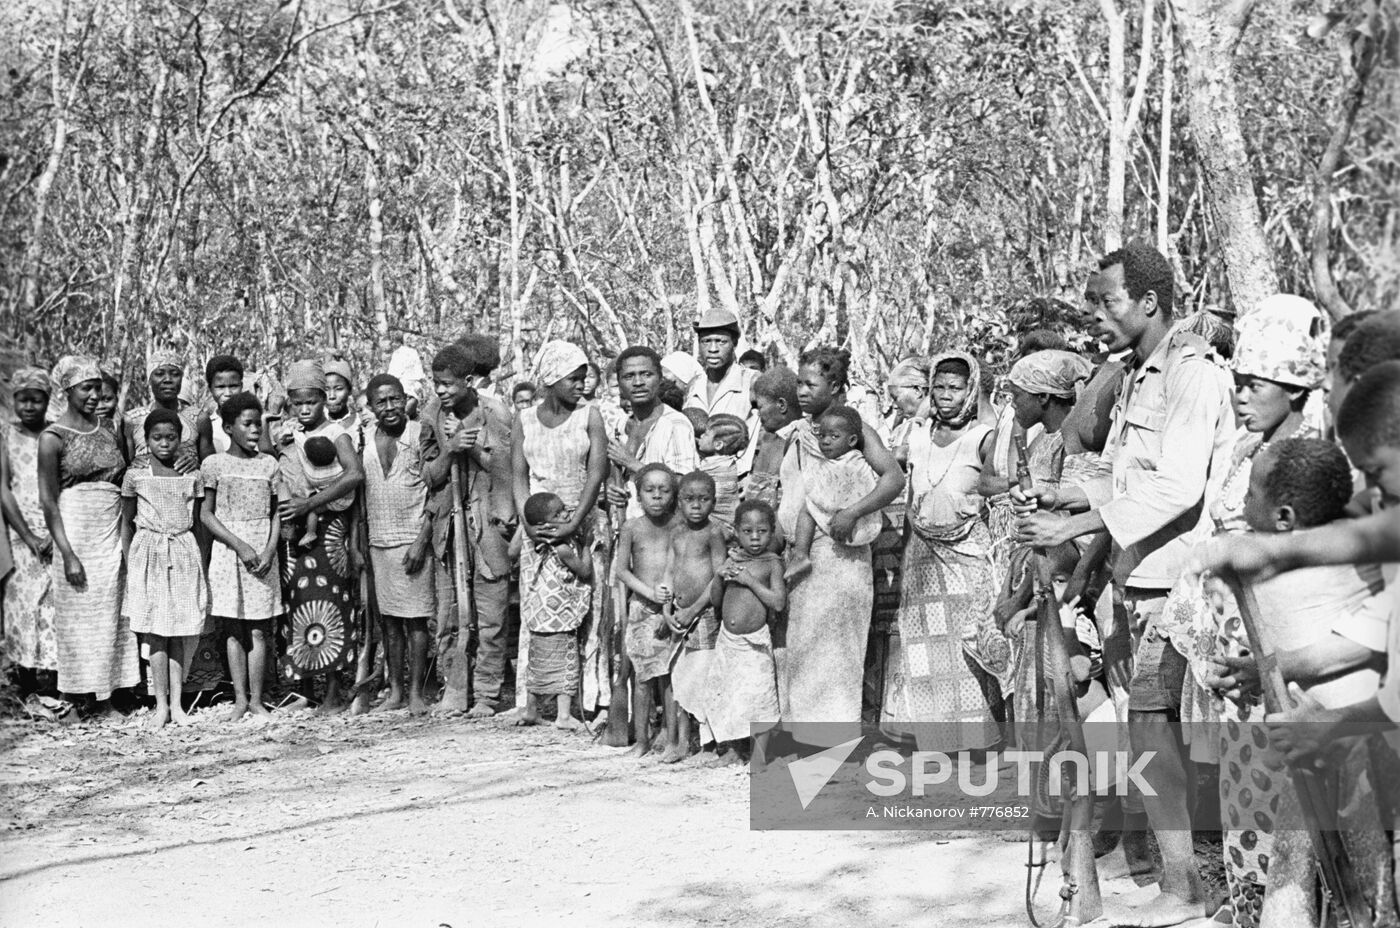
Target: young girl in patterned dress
pixel 240 513
pixel 167 598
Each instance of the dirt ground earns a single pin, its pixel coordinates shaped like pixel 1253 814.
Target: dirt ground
pixel 386 820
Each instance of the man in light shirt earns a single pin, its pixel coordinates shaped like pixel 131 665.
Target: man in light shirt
pixel 724 385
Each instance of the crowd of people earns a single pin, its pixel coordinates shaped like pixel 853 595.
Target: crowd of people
pixel 689 541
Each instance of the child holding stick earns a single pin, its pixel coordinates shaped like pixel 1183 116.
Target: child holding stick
pixel 240 514
pixel 644 548
pixel 166 594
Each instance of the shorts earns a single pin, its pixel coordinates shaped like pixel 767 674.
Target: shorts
pixel 1159 669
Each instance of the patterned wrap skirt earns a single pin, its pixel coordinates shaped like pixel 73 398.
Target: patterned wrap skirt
pixel 554 669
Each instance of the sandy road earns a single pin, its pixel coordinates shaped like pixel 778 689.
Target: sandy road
pixel 390 821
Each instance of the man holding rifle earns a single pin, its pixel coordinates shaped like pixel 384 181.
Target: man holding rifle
pixel 1169 437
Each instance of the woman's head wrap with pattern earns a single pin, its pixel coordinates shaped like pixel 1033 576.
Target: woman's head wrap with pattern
pixel 558 359
pixel 1052 372
pixel 1283 340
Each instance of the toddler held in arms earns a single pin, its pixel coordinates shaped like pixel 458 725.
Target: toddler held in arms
pixel 554 601
pixel 320 467
pixel 724 438
pixel 832 487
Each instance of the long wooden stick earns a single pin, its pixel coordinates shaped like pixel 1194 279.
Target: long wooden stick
pixel 1339 882
pixel 460 672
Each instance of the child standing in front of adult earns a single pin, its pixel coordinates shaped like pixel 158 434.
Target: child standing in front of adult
pixel 240 514
pixel 554 602
pixel 840 482
pixel 166 594
pixel 697 551
pixel 644 549
pixel 742 692
pixel 223 375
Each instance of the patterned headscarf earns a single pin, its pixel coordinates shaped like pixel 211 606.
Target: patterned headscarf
pixel 1284 340
pixel 74 369
pixel 165 357
pixel 31 378
pixel 1057 373
pixel 911 372
pixel 558 359
pixel 682 366
pixel 305 375
pixel 968 412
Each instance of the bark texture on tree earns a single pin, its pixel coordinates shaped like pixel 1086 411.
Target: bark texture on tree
pixel 1210 32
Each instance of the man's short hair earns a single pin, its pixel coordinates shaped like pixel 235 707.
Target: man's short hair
pixel 1370 414
pixel 1344 326
pixel 483 350
pixel 383 380
pixel 454 360
pixel 1373 341
pixel 222 364
pixel 1311 476
pixel 779 383
pixel 1144 269
pixel 639 351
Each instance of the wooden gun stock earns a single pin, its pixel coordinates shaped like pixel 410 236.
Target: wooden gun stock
pixel 1339 882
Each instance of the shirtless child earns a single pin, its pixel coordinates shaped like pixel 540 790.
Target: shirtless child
pixel 749 589
pixel 697 552
pixel 644 549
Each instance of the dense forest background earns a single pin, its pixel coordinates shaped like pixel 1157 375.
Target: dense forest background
pixel 273 178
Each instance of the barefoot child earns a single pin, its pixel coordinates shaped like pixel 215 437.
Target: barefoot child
pixel 749 589
pixel 240 514
pixel 400 535
pixel 644 547
pixel 720 445
pixel 166 595
pixel 554 601
pixel 843 480
pixel 697 551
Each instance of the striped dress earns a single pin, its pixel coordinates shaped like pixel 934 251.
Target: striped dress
pixel 96 650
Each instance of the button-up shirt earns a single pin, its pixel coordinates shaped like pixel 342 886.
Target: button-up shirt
pixel 488 492
pixel 1170 439
pixel 732 397
pixel 669 441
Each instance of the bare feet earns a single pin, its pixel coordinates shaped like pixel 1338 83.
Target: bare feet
pixel 237 711
pixel 480 711
pixel 729 759
pixel 1161 911
pixel 360 705
pixel 527 718
pixel 674 753
pixel 331 708
pixel 701 759
pixel 258 709
pixel 307 540
pixel 639 749
pixel 797 568
pixel 395 701
pixel 568 723
pixel 159 718
pixel 179 716
pixel 416 706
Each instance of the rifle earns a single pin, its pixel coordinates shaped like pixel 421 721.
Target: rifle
pixel 457 684
pixel 1341 892
pixel 1079 894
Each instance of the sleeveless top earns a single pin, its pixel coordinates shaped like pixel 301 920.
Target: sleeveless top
pixel 943 481
pixel 395 502
pixel 189 425
pixel 88 457
pixel 557 457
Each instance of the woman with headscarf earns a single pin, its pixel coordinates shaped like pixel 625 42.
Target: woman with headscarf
pixel 559 446
pixel 165 377
pixel 820 654
pixel 28 602
pixel 80 473
pixel 340 393
pixel 953 661
pixel 1280 357
pixel 319 629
